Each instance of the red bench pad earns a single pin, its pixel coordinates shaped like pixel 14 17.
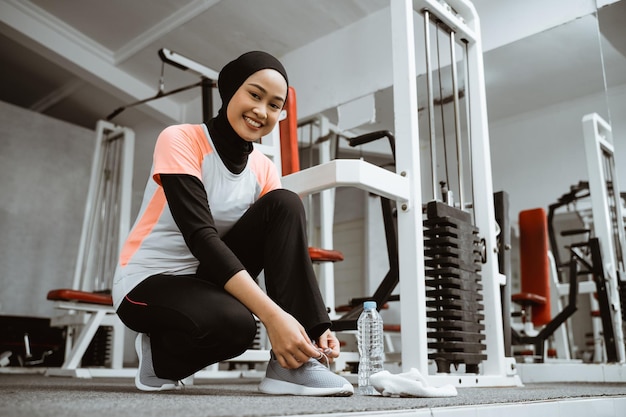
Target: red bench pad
pixel 65 294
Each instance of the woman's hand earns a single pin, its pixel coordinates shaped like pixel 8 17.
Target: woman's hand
pixel 290 343
pixel 329 345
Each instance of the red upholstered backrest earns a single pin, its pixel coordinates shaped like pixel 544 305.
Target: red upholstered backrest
pixel 290 160
pixel 534 261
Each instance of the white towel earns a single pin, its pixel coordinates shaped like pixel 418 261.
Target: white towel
pixel 408 384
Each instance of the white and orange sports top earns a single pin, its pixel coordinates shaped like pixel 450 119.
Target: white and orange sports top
pixel 155 244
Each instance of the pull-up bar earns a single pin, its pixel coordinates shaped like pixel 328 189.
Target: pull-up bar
pixel 186 64
pixel 208 78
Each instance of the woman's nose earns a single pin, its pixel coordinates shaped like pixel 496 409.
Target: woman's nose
pixel 260 112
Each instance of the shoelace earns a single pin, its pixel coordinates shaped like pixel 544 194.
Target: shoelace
pixel 323 359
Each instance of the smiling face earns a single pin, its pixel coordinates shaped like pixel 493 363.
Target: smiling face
pixel 254 109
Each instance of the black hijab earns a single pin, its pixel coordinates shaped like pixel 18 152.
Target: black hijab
pixel 232 149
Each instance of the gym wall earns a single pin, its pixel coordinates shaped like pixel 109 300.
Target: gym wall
pixel 45 167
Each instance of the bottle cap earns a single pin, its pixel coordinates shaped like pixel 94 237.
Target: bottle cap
pixel 369 305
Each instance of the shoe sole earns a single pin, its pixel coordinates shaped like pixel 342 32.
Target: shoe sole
pixel 138 384
pixel 276 387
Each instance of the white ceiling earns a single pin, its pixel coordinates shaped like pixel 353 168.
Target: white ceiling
pixel 126 36
pixel 93 56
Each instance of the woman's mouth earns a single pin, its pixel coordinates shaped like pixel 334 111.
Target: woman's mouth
pixel 252 122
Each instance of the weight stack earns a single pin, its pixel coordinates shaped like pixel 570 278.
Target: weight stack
pixel 453 289
pixel 98 353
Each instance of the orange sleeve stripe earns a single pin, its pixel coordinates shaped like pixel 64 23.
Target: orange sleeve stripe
pixel 144 226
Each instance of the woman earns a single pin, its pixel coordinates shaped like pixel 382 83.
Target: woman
pixel 213 217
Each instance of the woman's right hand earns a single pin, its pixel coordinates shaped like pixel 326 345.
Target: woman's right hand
pixel 290 343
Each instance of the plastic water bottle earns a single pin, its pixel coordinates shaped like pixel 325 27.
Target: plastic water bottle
pixel 371 348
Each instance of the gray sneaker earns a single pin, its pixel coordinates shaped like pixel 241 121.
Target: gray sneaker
pixel 312 378
pixel 146 379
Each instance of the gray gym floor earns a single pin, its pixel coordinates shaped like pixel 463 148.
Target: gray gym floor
pixel 40 395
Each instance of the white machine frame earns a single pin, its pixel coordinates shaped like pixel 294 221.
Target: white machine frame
pixel 608 224
pixel 83 319
pixel 497 370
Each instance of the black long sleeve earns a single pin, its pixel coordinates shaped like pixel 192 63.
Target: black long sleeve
pixel 187 200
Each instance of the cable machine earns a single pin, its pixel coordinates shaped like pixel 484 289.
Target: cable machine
pixel 87 305
pixel 470 219
pixel 107 212
pixel 478 347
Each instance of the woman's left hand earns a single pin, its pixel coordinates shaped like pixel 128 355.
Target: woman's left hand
pixel 328 344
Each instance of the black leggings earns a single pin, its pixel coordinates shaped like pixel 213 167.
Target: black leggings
pixel 192 323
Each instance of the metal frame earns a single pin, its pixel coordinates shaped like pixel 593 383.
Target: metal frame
pixel 208 77
pixel 497 369
pixel 82 321
pixel 577 265
pixel 607 214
